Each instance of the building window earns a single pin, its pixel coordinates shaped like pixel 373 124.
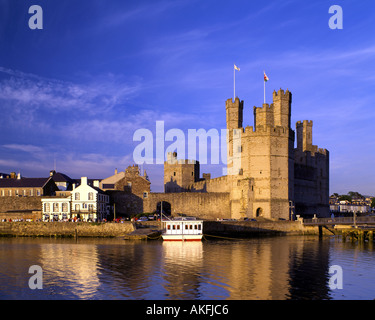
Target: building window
pixel 55 207
pixel 91 196
pixel 64 207
pixel 9 192
pixel 77 207
pixel 46 207
pixel 169 227
pixel 31 192
pixel 174 174
pixel 77 196
pixel 2 193
pixel 91 207
pixel 145 194
pixel 38 192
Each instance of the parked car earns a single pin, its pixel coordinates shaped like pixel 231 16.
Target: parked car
pixel 143 219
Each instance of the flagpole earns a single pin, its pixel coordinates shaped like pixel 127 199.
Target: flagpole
pixel 264 82
pixel 234 83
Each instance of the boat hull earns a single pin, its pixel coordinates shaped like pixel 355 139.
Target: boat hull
pixel 182 237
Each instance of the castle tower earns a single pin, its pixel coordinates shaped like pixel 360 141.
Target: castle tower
pixel 268 158
pixel 179 173
pixel 311 164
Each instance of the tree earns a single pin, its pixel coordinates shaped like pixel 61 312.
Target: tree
pixel 354 194
pixel 345 197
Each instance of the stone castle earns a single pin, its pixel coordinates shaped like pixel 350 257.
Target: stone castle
pixel 266 175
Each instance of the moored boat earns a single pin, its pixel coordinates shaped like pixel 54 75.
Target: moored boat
pixel 183 229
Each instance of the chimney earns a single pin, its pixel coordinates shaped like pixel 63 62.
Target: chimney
pixel 84 181
pixel 19 176
pixel 96 183
pixel 116 171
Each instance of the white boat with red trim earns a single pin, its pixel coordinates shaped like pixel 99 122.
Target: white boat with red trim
pixel 183 229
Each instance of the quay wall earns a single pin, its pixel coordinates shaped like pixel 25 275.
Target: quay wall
pixel 65 229
pixel 258 228
pixel 217 228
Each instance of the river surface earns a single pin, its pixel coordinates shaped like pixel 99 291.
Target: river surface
pixel 274 268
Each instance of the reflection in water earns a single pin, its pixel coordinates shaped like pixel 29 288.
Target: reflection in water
pixel 73 266
pixel 268 268
pixel 182 262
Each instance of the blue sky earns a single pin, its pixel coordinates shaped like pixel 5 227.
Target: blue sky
pixel 76 91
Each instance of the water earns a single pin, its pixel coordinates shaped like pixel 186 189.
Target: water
pixel 275 268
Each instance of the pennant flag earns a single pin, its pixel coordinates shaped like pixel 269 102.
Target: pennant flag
pixel 265 77
pixel 236 68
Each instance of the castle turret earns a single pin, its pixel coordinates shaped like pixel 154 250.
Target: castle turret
pixel 282 108
pixel 264 115
pixel 304 136
pixel 234 112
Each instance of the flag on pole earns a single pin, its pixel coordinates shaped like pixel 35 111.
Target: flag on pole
pixel 236 68
pixel 265 77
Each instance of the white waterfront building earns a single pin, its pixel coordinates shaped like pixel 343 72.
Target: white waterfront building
pixel 88 203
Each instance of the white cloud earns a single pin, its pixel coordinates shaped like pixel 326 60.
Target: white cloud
pixel 30 92
pixel 24 147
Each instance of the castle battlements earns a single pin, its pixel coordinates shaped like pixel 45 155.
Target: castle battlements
pixel 265 129
pixel 304 122
pixel 281 94
pixel 265 106
pixel 180 161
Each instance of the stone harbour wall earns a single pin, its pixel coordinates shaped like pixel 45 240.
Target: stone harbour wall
pixel 65 229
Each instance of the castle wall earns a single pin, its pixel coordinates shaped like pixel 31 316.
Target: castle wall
pixel 312 183
pixel 201 205
pixel 220 184
pixel 20 204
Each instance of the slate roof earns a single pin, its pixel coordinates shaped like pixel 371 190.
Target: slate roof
pixel 24 183
pixel 60 177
